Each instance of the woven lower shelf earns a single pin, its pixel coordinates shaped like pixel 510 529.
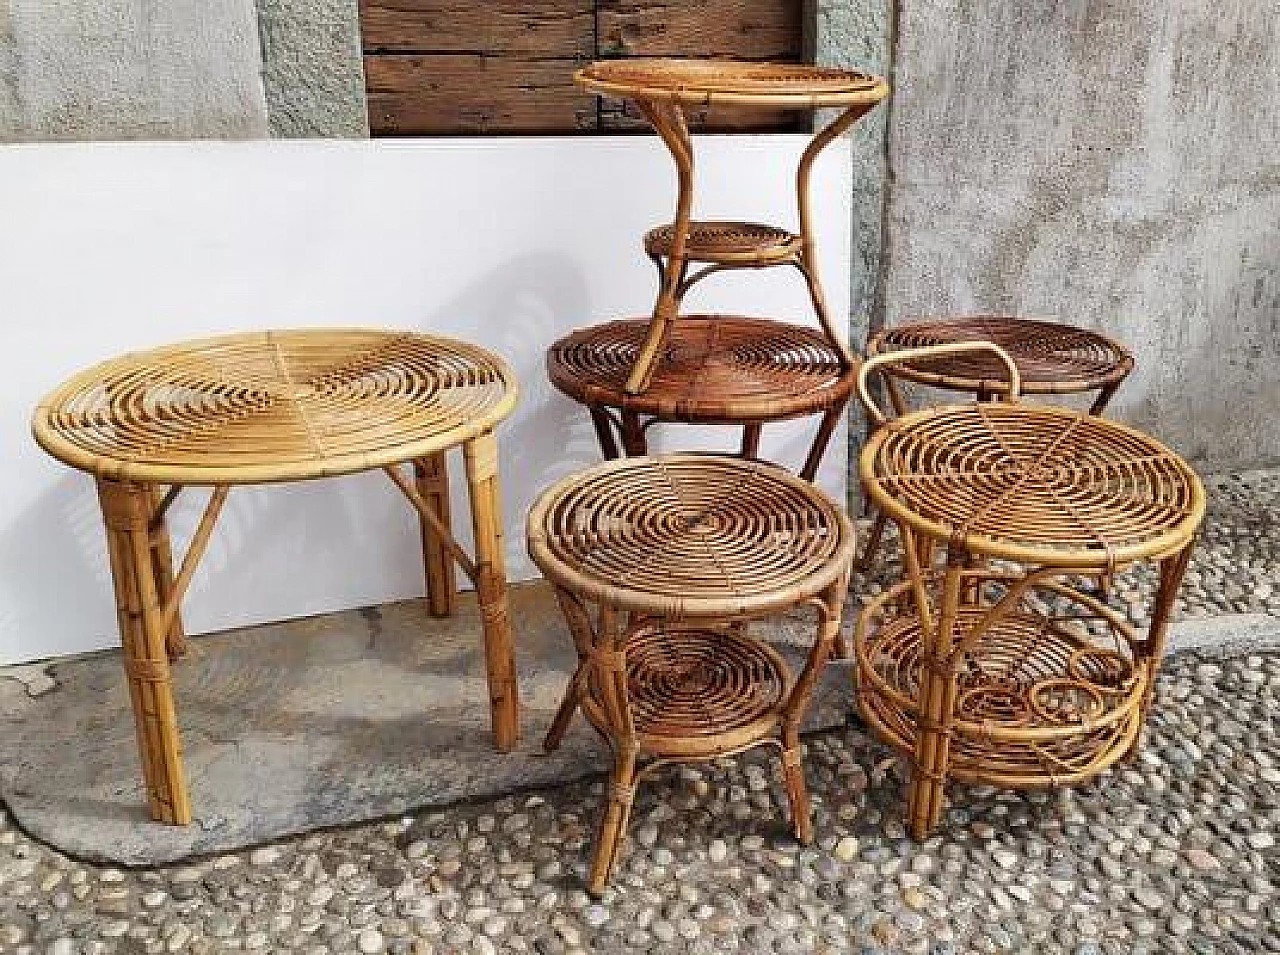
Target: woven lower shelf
pixel 1037 704
pixel 727 243
pixel 698 692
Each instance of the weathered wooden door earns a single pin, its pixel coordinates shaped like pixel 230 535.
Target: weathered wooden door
pixel 435 67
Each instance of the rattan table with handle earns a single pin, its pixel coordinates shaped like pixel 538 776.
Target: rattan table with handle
pixel 678 552
pixel 269 407
pixel 998 666
pixel 663 88
pixel 1052 359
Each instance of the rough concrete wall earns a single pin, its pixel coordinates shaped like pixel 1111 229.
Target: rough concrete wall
pixel 1112 164
pixel 129 69
pixel 856 34
pixel 313 69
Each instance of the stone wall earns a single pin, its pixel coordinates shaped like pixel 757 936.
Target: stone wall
pixel 1108 163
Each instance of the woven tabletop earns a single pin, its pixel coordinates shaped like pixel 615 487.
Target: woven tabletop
pixel 274 406
pixel 1034 483
pixel 690 535
pixel 713 369
pixel 731 82
pixel 1052 358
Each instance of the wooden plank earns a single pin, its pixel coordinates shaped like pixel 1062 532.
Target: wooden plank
pixel 435 94
pixel 737 29
pixel 562 29
pixel 742 29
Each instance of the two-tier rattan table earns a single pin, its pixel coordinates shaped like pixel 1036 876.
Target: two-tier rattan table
pixel 1052 359
pixel 757 376
pixel 998 667
pixel 677 552
pixel 277 407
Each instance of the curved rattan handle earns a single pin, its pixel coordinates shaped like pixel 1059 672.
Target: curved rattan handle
pixel 872 365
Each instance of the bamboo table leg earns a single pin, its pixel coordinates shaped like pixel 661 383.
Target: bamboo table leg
pixel 1172 569
pixel 431 476
pixel 481 456
pixel 162 562
pixel 127 511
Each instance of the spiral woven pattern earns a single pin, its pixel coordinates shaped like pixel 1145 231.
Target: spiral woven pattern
pixel 694 80
pixel 272 406
pixel 726 242
pixel 688 682
pixel 1052 358
pixel 1027 711
pixel 1034 483
pixel 714 368
pixel 690 534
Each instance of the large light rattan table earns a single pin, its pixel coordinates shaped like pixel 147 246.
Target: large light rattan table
pixel 272 407
pixel 999 667
pixel 678 552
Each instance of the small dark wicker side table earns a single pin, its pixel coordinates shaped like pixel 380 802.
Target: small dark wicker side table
pixel 1015 677
pixel 713 369
pixel 677 552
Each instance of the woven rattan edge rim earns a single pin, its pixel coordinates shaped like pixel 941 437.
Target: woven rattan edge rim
pixel 640 601
pixel 692 97
pixel 1097 559
pixel 685 411
pixel 786 249
pixel 111 469
pixel 1029 386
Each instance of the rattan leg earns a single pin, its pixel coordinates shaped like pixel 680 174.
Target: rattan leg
pixel 830 607
pixel 583 640
pixel 937 695
pixel 431 477
pixel 162 562
pixel 604 432
pixel 634 444
pixel 751 441
pixel 1171 572
pixel 127 511
pixel 818 448
pixel 610 662
pixel 481 456
pixel 613 823
pixel 874 538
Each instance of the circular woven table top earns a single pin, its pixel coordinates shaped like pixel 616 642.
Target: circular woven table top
pixel 690 535
pixel 1052 358
pixel 274 406
pixel 1034 483
pixel 731 82
pixel 713 369
pixel 726 242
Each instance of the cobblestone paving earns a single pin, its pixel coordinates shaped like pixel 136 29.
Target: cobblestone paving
pixel 1176 852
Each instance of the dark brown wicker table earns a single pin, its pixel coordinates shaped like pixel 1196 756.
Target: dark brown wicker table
pixel 677 553
pixel 1015 677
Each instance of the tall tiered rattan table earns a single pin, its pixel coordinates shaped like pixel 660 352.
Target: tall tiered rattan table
pixel 276 407
pixel 1052 359
pixel 677 552
pixel 753 375
pixel 1010 673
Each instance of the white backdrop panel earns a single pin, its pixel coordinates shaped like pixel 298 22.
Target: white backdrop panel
pixel 507 242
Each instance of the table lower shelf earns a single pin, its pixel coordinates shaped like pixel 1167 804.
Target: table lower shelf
pixel 727 243
pixel 1039 701
pixel 697 692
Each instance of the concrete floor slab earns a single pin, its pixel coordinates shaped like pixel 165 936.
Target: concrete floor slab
pixel 304 725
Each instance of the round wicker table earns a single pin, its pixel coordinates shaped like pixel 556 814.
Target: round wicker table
pixel 274 407
pixel 677 552
pixel 1016 678
pixel 663 89
pixel 1052 359
pixel 713 369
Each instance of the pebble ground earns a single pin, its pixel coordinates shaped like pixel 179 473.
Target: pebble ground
pixel 1174 852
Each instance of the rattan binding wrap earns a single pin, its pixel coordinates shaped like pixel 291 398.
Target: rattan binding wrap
pixel 274 406
pixel 727 243
pixel 1036 484
pixel 1052 358
pixel 727 82
pixel 1039 702
pixel 724 369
